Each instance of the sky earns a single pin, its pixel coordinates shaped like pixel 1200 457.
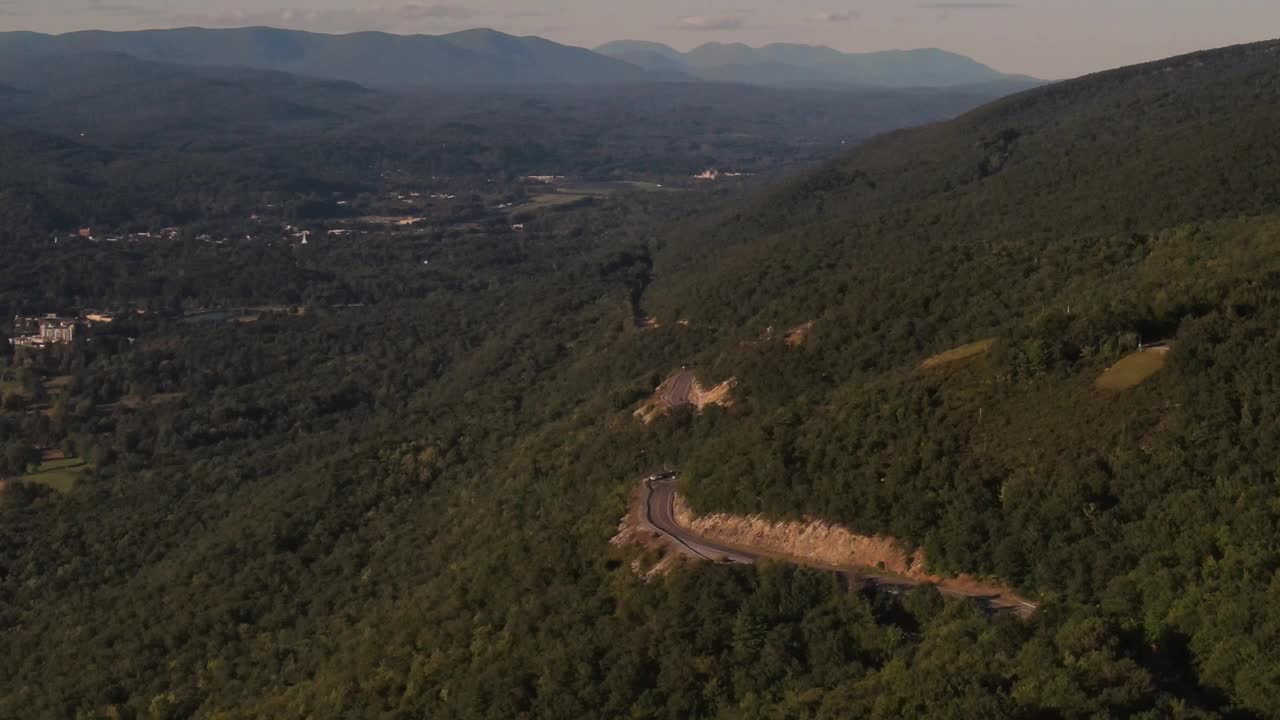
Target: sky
pixel 1050 39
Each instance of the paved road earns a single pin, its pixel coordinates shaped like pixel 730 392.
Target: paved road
pixel 660 496
pixel 660 513
pixel 678 393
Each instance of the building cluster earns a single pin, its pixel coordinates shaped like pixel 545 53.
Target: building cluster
pixel 714 174
pixel 49 330
pixel 169 233
pixel 38 332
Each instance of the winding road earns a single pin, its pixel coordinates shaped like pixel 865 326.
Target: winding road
pixel 660 513
pixel 660 497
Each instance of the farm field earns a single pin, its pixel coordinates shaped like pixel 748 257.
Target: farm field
pixel 575 192
pixel 609 186
pixel 550 200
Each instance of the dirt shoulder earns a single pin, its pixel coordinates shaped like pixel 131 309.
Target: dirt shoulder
pixel 659 554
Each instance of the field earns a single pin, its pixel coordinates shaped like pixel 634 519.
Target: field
pixel 549 200
pixel 58 384
pixel 609 186
pixel 1133 370
pixel 61 475
pixel 574 192
pixel 963 352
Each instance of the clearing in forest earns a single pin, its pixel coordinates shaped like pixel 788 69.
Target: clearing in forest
pixel 11 386
pixel 60 475
pixel 964 352
pixel 796 336
pixel 1135 369
pixel 549 200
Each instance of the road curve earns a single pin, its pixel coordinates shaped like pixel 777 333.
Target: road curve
pixel 659 499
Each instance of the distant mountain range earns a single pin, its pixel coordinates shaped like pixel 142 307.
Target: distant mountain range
pixel 785 64
pixel 490 58
pixel 473 57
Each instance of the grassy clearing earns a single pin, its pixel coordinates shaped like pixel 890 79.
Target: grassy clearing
pixel 550 200
pixel 963 352
pixel 1133 370
pixel 135 402
pixel 575 192
pixel 60 475
pixel 608 187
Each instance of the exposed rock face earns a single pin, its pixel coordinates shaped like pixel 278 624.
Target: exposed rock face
pixel 815 541
pixel 822 544
pixel 718 395
pixel 796 336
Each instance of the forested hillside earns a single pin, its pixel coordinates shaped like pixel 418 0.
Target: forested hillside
pixel 1070 224
pixel 398 503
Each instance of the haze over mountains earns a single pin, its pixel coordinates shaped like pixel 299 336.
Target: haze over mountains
pixel 475 57
pixel 782 63
pixel 490 58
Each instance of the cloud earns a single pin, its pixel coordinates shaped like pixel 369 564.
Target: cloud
pixel 711 24
pixel 835 16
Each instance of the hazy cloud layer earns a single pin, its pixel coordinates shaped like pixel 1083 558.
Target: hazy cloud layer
pixel 834 16
pixel 713 24
pixel 119 8
pixel 967 5
pixel 391 17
